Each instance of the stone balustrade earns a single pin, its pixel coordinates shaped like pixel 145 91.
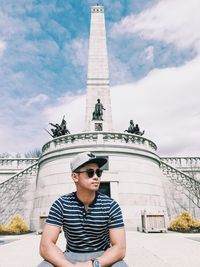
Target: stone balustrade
pixel 99 138
pixel 183 162
pixel 16 193
pixel 16 163
pixel 180 178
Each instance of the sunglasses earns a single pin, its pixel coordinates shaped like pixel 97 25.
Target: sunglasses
pixel 91 172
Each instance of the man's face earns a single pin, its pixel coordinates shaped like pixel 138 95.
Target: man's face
pixel 82 179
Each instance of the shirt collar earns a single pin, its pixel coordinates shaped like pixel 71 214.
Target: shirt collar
pixel 82 204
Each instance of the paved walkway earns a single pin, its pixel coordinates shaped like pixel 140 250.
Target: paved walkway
pixel 143 250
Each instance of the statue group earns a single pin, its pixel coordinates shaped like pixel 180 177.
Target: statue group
pixel 98 111
pixel 134 129
pixel 59 129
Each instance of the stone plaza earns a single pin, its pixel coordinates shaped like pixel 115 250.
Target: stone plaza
pixel 155 250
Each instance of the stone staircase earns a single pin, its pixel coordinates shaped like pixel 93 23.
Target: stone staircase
pixel 17 194
pixel 181 179
pixel 11 166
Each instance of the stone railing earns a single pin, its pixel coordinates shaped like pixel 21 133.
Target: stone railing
pixel 191 185
pixel 16 163
pixel 183 162
pixel 12 193
pixel 98 138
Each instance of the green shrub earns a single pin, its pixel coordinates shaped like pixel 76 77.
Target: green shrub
pixel 15 226
pixel 185 223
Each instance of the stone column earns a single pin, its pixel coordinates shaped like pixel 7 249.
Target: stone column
pixel 98 74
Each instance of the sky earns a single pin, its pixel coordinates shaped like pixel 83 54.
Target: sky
pixel 154 64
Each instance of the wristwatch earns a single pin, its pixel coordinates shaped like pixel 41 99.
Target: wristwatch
pixel 96 263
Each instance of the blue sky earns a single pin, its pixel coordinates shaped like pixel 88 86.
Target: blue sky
pixel 43 68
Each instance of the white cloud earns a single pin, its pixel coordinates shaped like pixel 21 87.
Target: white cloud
pixel 119 71
pixel 80 51
pixel 149 53
pixel 165 103
pixel 77 50
pixel 73 107
pixel 2 47
pixel 172 21
pixel 41 98
pixel 10 26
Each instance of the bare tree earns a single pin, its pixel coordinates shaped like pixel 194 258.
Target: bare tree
pixel 36 153
pixel 5 155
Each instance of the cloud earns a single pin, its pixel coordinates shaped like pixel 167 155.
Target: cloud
pixel 41 98
pixel 119 71
pixel 149 53
pixel 165 103
pixel 79 51
pixel 76 51
pixel 2 47
pixel 42 59
pixel 172 21
pixel 73 107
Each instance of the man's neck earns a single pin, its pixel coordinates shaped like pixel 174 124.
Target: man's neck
pixel 86 197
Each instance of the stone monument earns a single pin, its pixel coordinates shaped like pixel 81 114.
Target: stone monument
pixel 98 74
pixel 132 175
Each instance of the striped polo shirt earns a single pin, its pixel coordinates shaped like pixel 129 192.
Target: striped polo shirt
pixel 86 230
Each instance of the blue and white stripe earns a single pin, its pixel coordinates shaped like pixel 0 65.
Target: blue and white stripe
pixel 86 231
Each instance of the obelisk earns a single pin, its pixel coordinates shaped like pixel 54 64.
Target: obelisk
pixel 98 75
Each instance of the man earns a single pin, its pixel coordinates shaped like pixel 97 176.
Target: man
pixel 92 222
pixel 63 127
pixel 98 111
pixel 131 128
pixel 57 131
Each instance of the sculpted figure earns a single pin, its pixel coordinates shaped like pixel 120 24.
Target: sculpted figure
pixel 131 127
pixel 59 130
pixel 137 130
pixel 134 129
pixel 63 127
pixel 98 111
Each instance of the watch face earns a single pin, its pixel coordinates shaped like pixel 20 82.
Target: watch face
pixel 96 263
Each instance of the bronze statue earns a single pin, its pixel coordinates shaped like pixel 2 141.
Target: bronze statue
pixel 134 129
pixel 137 130
pixel 59 130
pixel 98 111
pixel 63 127
pixel 131 127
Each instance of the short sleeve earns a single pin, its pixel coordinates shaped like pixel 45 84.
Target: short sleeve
pixel 116 219
pixel 55 216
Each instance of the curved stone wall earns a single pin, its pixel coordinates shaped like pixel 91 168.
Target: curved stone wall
pixel 133 172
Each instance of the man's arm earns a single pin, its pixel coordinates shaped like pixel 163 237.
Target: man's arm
pixel 48 248
pixel 118 249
